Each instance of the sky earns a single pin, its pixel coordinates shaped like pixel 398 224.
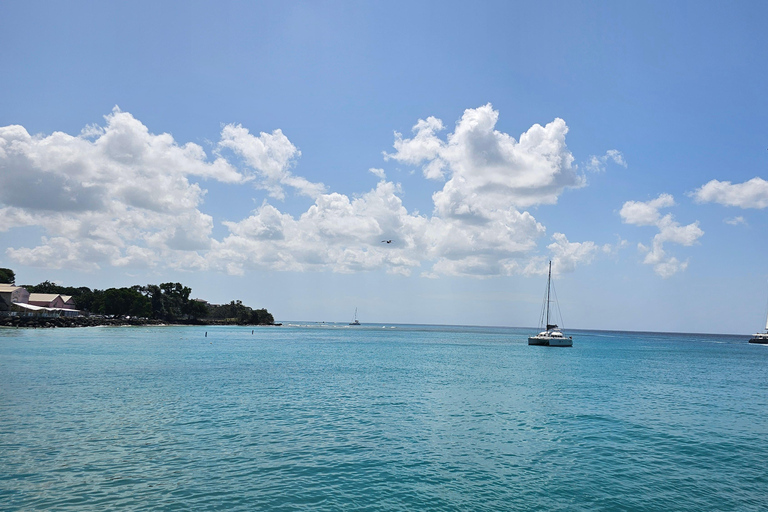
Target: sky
pixel 265 151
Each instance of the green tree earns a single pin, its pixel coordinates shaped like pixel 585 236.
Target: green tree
pixel 155 295
pixel 7 276
pixel 44 287
pixel 84 298
pixel 261 317
pixel 197 309
pixel 125 302
pixel 175 298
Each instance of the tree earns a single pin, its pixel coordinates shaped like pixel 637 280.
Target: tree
pixel 155 295
pixel 197 309
pixel 237 312
pixel 121 302
pixel 170 301
pixel 44 287
pixel 261 317
pixel 7 276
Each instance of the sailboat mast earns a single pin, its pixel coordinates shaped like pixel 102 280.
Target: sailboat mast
pixel 549 279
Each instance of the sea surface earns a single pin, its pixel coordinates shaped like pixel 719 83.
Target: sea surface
pixel 380 418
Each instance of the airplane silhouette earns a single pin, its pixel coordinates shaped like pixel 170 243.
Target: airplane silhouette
pixel 386 241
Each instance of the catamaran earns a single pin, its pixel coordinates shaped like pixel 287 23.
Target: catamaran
pixel 354 321
pixel 551 336
pixel 761 337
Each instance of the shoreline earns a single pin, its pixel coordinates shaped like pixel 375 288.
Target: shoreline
pixel 91 321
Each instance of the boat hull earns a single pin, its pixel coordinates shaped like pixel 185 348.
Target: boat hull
pixel 546 341
pixel 760 339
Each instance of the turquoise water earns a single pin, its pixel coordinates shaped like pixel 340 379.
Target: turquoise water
pixel 371 418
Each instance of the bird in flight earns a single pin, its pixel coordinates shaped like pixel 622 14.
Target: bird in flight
pixel 386 241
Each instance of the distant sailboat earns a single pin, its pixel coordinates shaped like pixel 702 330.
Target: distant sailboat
pixel 761 337
pixel 552 336
pixel 354 321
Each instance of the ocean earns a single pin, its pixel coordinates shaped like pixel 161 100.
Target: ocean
pixel 328 417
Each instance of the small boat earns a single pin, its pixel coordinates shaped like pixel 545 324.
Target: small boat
pixel 761 337
pixel 551 336
pixel 354 321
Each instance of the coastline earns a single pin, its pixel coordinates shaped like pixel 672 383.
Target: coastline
pixel 94 321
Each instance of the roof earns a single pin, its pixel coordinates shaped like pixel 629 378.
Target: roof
pixel 43 297
pixel 8 287
pixel 66 298
pixel 30 306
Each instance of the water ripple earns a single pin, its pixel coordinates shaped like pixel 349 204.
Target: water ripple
pixel 413 418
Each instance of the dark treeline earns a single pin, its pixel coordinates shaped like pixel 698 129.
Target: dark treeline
pixel 167 301
pixel 235 310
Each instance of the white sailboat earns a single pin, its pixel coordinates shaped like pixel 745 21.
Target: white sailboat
pixel 551 336
pixel 761 337
pixel 354 321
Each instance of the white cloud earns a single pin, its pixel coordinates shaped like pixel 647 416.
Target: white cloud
pixel 567 255
pixel 647 214
pixel 598 163
pixel 379 173
pixel 335 233
pixel 118 195
pixel 490 169
pixel 615 248
pixel 750 194
pixel 735 221
pixel 60 252
pixel 476 228
pixel 271 155
pixel 663 265
pixel 425 145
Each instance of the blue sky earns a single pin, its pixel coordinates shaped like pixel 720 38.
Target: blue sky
pixel 262 151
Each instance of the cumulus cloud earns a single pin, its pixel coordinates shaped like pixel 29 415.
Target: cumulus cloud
pixel 598 163
pixel 424 146
pixel 647 214
pixel 478 227
pixel 750 194
pixel 115 195
pixel 567 255
pixel 120 195
pixel 271 155
pixel 489 169
pixel 336 233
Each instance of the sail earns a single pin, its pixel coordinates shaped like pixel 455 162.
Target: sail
pixel 766 324
pixel 551 326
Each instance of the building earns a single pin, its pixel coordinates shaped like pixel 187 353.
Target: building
pixel 51 300
pixel 10 294
pixel 17 301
